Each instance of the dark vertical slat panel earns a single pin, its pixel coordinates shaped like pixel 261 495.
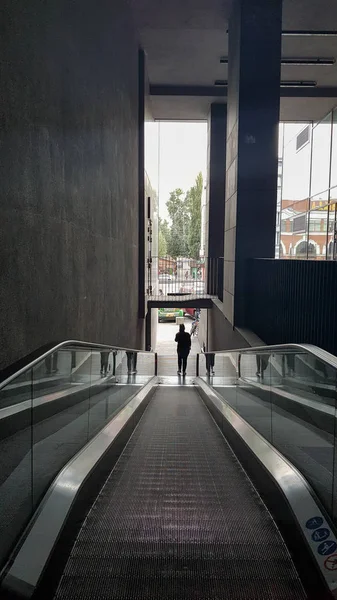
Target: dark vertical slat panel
pixel 306 274
pixel 324 309
pixel 301 298
pixel 293 301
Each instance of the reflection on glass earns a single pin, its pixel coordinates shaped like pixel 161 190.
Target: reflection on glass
pixel 304 235
pixel 332 233
pixel 303 418
pixel 301 234
pixel 296 170
pixel 19 390
pixel 289 397
pixel 50 412
pixel 60 422
pixel 294 228
pixel 253 401
pixel 318 227
pixel 321 156
pixel 319 202
pixel 16 486
pixel 104 393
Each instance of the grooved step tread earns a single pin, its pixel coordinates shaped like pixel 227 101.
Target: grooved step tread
pixel 178 518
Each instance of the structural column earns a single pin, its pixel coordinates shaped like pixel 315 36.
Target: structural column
pixel 141 184
pixel 252 144
pixel 215 204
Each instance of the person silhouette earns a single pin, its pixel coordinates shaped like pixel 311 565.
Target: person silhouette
pixel 183 340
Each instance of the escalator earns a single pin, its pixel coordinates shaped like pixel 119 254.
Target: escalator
pixel 178 518
pixel 158 505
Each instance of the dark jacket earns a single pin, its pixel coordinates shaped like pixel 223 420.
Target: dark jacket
pixel 184 342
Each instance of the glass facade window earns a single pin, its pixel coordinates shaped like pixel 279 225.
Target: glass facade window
pixel 321 151
pixel 299 224
pixel 296 171
pixel 333 195
pixel 301 249
pixel 333 179
pixel 309 190
pixel 316 225
pixel 320 201
pixel 332 233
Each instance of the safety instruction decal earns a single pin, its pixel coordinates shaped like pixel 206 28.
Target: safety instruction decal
pixel 327 547
pixel 314 523
pixel 323 545
pixel 330 563
pixel 320 534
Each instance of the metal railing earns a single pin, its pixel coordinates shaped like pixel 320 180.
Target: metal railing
pixel 49 410
pixel 288 393
pixel 168 277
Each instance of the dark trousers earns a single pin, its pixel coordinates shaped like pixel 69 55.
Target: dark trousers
pixel 288 360
pixel 51 363
pixel 104 362
pixel 210 359
pixel 182 360
pixel 114 354
pixel 262 363
pixel 132 360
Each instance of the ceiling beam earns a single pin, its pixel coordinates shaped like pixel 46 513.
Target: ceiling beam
pixel 300 61
pixel 218 91
pixel 310 33
pixel 188 90
pixel 314 92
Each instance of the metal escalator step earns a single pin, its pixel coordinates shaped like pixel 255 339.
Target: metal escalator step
pixel 179 519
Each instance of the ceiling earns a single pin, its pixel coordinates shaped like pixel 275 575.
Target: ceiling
pixel 184 40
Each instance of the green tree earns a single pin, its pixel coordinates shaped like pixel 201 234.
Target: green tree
pixel 162 244
pixel 193 203
pixel 163 237
pixel 180 217
pixel 164 227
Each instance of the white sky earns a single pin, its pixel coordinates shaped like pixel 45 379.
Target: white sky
pixel 175 152
pixel 182 155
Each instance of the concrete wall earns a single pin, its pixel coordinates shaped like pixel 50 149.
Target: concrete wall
pixel 69 175
pixel 218 331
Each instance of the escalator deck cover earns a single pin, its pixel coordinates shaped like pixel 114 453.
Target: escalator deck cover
pixel 178 519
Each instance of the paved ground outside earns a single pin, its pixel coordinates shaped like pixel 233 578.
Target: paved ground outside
pixel 166 349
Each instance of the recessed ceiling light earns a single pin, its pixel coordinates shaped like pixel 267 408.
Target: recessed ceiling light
pixel 309 33
pixel 332 32
pixel 294 83
pixel 308 61
pixel 302 61
pixel 298 83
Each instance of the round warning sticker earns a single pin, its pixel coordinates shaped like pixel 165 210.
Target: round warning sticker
pixel 320 534
pixel 327 547
pixel 314 523
pixel 330 563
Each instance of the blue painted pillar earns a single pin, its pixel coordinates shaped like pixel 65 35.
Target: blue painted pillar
pixel 254 55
